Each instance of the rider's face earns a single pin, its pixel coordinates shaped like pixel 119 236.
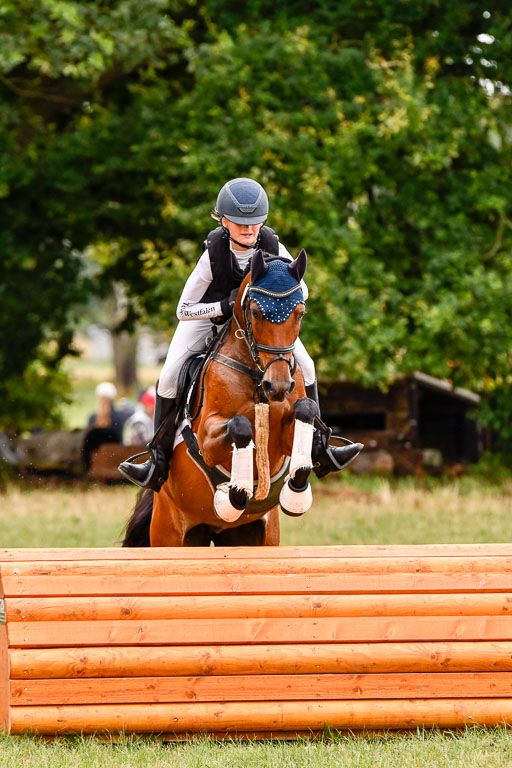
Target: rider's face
pixel 245 234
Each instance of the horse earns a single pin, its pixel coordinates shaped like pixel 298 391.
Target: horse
pixel 251 391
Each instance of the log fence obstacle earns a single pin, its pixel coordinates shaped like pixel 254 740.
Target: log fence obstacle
pixel 253 642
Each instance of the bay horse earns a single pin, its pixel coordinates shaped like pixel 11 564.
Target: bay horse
pixel 252 390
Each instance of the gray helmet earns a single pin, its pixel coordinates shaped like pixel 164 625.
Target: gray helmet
pixel 243 201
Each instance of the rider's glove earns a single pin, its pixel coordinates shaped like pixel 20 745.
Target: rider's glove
pixel 226 308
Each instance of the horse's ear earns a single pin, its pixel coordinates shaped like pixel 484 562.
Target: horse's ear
pixel 259 267
pixel 298 267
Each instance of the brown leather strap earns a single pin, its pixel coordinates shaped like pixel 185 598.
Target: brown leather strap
pixel 235 365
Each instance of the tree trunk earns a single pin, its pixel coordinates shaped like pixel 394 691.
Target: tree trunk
pixel 125 360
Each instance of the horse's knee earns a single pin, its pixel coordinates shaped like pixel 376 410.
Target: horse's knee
pixel 240 431
pixel 306 410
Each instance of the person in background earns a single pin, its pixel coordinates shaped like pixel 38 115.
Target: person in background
pixel 138 429
pixel 107 416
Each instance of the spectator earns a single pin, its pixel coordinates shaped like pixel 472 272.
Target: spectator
pixel 138 429
pixel 106 415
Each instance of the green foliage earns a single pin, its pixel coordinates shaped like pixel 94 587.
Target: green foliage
pixel 496 411
pixel 68 177
pixel 493 468
pixel 381 132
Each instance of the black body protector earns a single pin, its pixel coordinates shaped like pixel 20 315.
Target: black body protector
pixel 226 273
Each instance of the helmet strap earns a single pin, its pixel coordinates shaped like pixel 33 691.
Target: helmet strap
pixel 242 245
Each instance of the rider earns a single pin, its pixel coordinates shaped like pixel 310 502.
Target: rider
pixel 209 296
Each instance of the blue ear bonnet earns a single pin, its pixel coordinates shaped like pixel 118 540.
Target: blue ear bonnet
pixel 277 293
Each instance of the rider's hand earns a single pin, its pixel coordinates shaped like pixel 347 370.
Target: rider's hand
pixel 226 308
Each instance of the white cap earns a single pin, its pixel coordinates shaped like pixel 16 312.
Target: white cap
pixel 106 389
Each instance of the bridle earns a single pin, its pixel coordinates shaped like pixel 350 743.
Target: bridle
pixel 247 335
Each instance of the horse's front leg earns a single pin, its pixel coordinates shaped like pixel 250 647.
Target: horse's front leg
pixel 231 499
pixel 296 496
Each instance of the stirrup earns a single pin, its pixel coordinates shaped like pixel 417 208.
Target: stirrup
pixel 325 460
pixel 358 447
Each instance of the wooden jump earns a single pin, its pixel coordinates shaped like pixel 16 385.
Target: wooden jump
pixel 255 641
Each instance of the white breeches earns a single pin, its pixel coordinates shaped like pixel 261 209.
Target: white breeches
pixel 190 337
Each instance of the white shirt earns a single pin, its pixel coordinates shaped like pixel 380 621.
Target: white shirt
pixel 138 429
pixel 190 306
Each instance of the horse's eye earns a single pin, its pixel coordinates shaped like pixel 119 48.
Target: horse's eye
pixel 255 313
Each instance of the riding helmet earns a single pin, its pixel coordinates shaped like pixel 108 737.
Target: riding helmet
pixel 243 201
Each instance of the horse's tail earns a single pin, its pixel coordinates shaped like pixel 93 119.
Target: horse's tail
pixel 137 528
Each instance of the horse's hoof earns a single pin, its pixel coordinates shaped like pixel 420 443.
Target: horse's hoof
pixel 295 503
pixel 223 507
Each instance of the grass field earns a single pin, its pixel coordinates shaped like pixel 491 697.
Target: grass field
pixel 346 510
pixel 474 748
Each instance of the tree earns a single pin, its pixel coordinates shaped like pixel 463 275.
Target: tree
pixel 68 176
pixel 381 132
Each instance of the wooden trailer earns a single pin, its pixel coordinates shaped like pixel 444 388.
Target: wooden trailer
pixel 420 419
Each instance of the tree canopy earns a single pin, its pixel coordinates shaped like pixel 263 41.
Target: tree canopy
pixel 381 132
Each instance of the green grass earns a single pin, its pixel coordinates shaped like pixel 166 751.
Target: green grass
pixel 346 510
pixel 76 516
pixel 474 748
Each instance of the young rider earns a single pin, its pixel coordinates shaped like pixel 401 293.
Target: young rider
pixel 209 296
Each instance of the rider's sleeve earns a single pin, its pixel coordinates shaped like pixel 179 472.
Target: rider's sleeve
pixel 190 306
pixel 285 254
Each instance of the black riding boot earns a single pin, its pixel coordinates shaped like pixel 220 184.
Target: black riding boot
pixel 153 472
pixel 327 457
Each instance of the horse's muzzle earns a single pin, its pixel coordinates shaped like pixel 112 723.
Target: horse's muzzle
pixel 276 391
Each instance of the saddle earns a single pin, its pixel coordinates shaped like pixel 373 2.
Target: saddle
pixel 189 375
pixel 192 375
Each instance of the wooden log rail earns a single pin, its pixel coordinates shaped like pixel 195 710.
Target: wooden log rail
pixel 255 641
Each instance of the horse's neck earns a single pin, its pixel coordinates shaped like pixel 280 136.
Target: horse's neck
pixel 279 412
pixel 236 348
pixel 276 450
